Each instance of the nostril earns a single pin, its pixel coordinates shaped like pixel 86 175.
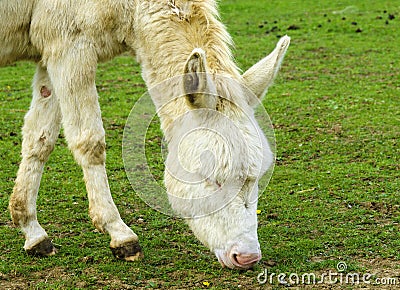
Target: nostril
pixel 234 258
pixel 245 260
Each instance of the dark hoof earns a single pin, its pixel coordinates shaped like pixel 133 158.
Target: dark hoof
pixel 129 252
pixel 44 248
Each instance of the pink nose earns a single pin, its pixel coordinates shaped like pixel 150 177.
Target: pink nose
pixel 245 260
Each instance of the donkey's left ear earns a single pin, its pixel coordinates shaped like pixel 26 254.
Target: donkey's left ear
pixel 199 89
pixel 260 76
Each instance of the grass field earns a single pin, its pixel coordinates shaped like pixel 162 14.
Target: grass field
pixel 333 196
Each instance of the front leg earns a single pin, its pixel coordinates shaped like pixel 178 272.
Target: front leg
pixel 40 132
pixel 73 76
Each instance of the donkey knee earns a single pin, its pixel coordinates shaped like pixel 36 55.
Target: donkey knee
pixel 90 149
pixel 38 146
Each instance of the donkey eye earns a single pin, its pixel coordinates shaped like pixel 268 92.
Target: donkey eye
pixel 248 192
pixel 214 183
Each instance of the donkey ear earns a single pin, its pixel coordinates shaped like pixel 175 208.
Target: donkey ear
pixel 260 76
pixel 198 87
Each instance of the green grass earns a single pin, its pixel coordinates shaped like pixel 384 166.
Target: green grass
pixel 334 192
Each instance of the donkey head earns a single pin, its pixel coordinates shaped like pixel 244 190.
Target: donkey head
pixel 217 154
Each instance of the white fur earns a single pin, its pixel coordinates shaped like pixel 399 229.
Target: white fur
pixel 68 38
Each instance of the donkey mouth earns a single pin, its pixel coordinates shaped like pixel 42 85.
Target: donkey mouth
pixel 236 260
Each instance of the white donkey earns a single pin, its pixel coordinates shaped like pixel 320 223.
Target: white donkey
pixel 169 38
